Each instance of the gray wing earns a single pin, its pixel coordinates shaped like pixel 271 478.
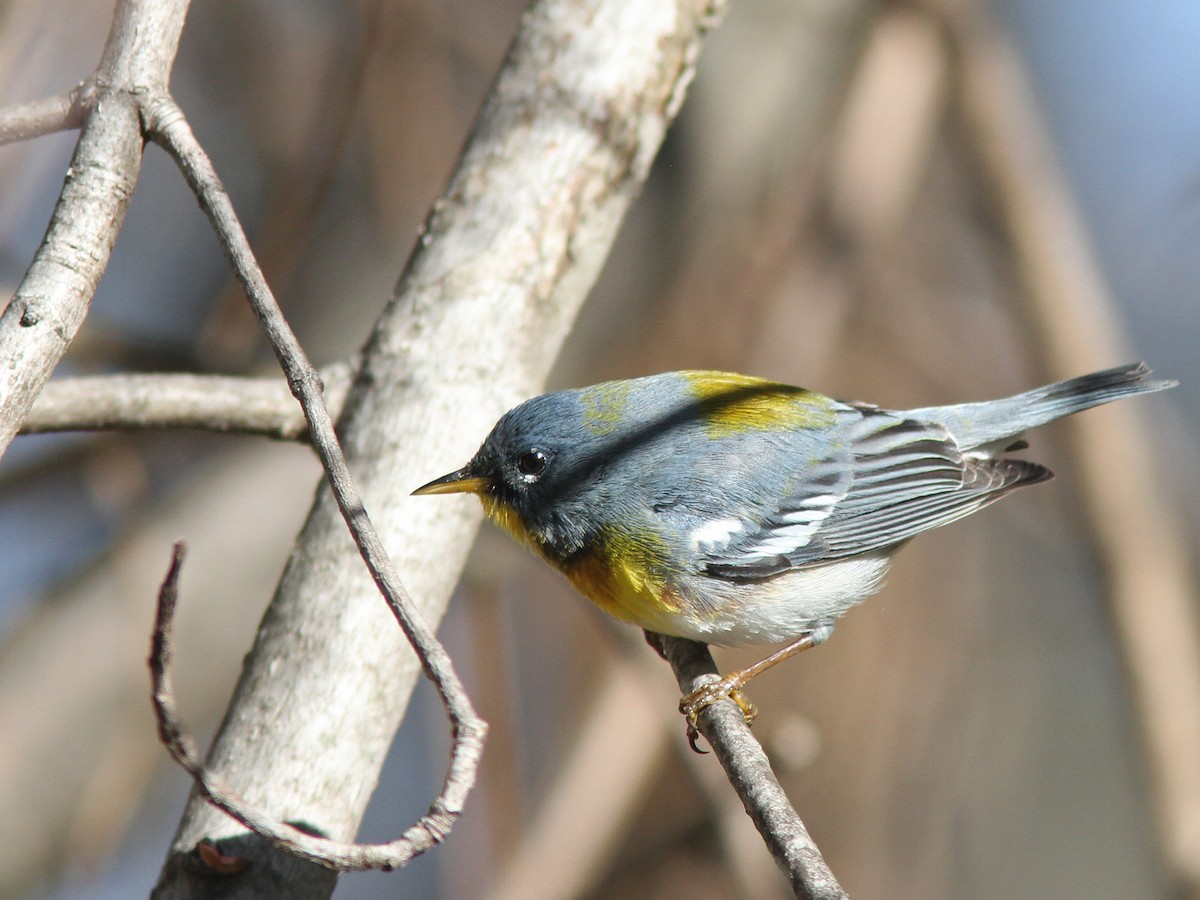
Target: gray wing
pixel 891 479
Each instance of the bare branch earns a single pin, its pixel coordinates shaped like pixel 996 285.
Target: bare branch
pixel 166 125
pixel 608 778
pixel 260 406
pixel 22 121
pixel 339 856
pixel 561 148
pixel 749 771
pixel 51 302
pixel 52 299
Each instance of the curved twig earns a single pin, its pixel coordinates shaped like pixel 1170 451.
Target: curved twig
pixel 126 101
pixel 166 125
pixel 339 856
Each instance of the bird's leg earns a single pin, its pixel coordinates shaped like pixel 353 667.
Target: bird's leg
pixel 730 686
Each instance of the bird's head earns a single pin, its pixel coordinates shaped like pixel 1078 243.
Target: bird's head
pixel 538 473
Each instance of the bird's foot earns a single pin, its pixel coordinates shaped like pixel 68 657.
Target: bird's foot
pixel 727 688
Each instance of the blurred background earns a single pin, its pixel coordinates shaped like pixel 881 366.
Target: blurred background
pixel 904 202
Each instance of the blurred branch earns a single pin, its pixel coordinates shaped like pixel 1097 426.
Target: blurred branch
pixel 878 159
pixel 22 121
pixel 749 771
pixel 607 778
pixel 1139 536
pixel 261 406
pixel 53 298
pixel 297 193
pixel 743 210
pixel 612 781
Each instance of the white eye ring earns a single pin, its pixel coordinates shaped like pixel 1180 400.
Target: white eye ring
pixel 532 463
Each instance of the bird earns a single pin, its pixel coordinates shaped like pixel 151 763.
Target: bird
pixel 734 510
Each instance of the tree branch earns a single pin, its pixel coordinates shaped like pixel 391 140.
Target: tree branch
pixel 506 258
pixel 259 406
pixel 749 771
pixel 1147 558
pixel 339 856
pixel 166 125
pixel 50 303
pixel 22 121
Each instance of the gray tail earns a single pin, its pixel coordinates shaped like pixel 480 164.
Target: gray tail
pixel 1076 394
pixel 987 425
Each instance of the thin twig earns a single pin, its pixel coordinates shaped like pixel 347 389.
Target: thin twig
pixel 226 404
pixel 52 300
pixel 166 125
pixel 749 771
pixel 340 856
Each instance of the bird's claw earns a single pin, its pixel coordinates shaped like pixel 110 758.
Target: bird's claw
pixel 727 688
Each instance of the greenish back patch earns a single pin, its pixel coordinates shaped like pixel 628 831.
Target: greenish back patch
pixel 604 406
pixel 733 404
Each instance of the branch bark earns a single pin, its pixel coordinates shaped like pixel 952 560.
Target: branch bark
pixel 53 297
pixel 166 124
pixel 23 121
pixel 560 150
pixel 749 771
pixel 229 404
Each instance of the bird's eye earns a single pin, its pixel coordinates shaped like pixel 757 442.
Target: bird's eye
pixel 532 463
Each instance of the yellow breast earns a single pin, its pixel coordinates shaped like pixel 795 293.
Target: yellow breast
pixel 624 575
pixel 622 572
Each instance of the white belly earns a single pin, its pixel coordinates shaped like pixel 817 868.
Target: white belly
pixel 781 609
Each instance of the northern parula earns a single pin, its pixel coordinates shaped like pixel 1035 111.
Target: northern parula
pixel 733 510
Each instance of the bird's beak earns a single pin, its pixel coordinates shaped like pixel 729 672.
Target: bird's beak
pixel 464 481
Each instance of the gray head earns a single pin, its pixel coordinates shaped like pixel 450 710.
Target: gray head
pixel 569 463
pixel 542 460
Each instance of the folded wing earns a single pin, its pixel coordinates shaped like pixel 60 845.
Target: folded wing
pixel 889 479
